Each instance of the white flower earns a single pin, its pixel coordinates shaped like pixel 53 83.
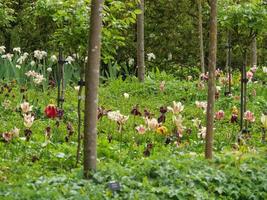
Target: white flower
pixel 53 58
pixel 177 108
pixel 178 120
pixel 189 78
pixel 28 120
pixel 21 59
pixel 126 95
pixel 44 54
pixel 17 49
pixel 151 56
pixel 264 69
pixel 77 88
pixel 196 122
pixel 117 116
pixel 25 54
pixel 254 68
pixel 218 88
pixel 131 62
pixel 31 73
pixel 38 79
pixel 8 56
pixel 39 54
pixel 25 107
pixel 49 69
pixel 69 59
pixel 170 56
pixel 2 49
pixel 18 66
pixel 202 133
pixel 202 105
pixel 32 63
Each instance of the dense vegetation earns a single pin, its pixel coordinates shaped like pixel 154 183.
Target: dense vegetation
pixel 151 131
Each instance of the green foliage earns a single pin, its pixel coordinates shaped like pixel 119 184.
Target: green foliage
pixel 246 20
pixel 35 170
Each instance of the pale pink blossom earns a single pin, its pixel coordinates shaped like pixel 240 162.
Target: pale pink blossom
pixel 219 115
pixel 28 120
pixel 176 108
pixel 152 124
pixel 249 116
pixel 140 129
pixel 25 107
pixel 249 75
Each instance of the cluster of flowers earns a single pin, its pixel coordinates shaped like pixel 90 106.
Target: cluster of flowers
pixel 37 78
pixel 39 55
pixel 28 117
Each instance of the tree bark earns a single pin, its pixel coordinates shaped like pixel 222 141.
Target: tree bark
pixel 254 52
pixel 91 88
pixel 140 43
pixel 229 60
pixel 211 82
pixel 200 30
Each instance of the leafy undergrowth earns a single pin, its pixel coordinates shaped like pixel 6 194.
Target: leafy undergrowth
pixel 170 170
pixel 165 175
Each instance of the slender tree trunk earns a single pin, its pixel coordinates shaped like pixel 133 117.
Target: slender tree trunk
pixel 200 30
pixel 62 79
pixel 79 113
pixel 91 88
pixel 140 43
pixel 254 52
pixel 211 83
pixel 229 61
pixel 243 93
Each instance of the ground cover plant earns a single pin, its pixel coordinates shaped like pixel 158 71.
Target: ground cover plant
pixel 148 160
pixel 133 99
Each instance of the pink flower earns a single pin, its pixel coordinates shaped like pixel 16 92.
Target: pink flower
pixel 219 115
pixel 152 124
pixel 249 75
pixel 7 136
pixel 253 69
pixel 140 129
pixel 204 76
pixel 249 116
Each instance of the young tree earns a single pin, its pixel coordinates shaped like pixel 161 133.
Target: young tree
pixel 211 83
pixel 91 88
pixel 140 43
pixel 200 30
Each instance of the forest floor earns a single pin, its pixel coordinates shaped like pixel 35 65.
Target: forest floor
pixel 157 164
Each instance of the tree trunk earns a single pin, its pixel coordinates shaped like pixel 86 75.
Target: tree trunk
pixel 91 88
pixel 229 61
pixel 140 43
pixel 200 30
pixel 254 52
pixel 211 82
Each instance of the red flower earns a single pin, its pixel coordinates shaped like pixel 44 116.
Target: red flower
pixel 51 111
